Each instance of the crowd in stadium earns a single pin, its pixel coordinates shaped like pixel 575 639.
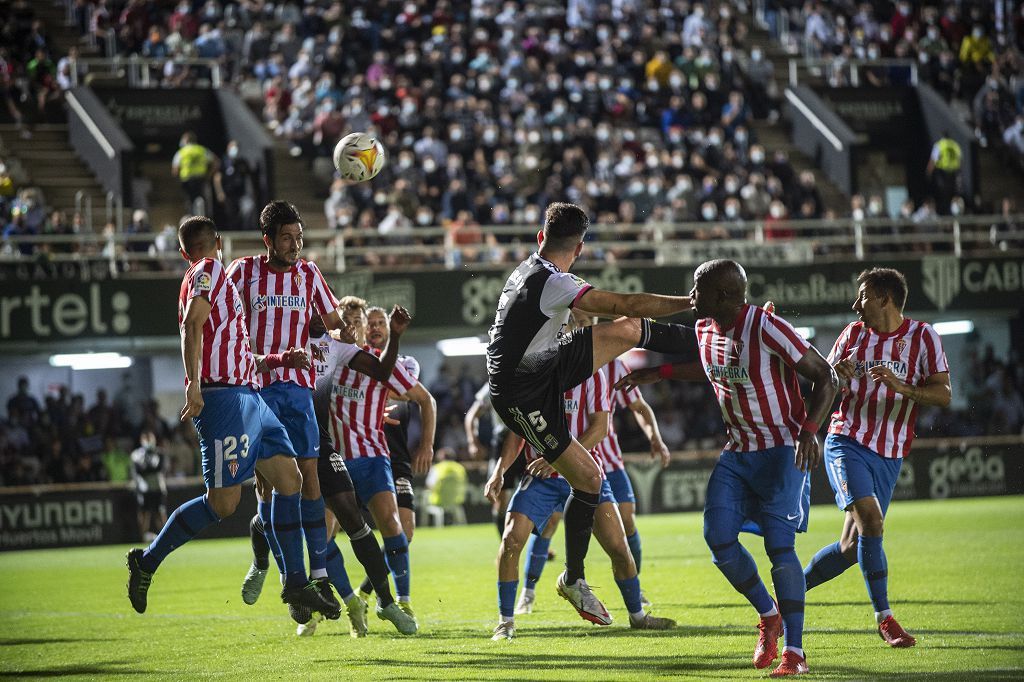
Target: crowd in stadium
pixel 641 111
pixel 57 438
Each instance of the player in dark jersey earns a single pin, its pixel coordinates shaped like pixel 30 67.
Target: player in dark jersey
pixel 510 478
pixel 531 363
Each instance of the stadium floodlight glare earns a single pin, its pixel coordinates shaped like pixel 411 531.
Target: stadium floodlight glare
pixel 79 361
pixel 462 346
pixel 806 332
pixel 953 327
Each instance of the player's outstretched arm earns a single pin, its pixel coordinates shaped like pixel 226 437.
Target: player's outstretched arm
pixel 648 423
pixel 611 304
pixel 934 392
pixel 476 448
pixel 509 451
pixel 825 383
pixel 680 371
pixel 379 369
pixel 424 453
pixel 197 312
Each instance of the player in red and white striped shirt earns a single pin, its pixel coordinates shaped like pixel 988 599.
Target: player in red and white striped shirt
pixel 610 454
pixel 890 365
pixel 542 492
pixel 752 359
pixel 280 294
pixel 238 433
pixel 356 425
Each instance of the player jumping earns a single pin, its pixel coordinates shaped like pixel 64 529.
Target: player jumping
pixel 889 364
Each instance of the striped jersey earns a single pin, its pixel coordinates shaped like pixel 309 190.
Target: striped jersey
pixel 751 368
pixel 357 405
pixel 869 412
pixel 608 451
pixel 278 308
pixel 581 403
pixel 227 357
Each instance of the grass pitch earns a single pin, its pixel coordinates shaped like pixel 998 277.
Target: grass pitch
pixel 956 582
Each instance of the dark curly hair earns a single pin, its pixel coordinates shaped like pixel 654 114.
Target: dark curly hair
pixel 275 214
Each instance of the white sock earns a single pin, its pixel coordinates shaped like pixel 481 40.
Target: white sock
pixel 403 600
pixel 508 619
pixel 774 612
pixel 882 615
pixel 795 650
pixel 529 592
pixel 348 597
pixel 637 617
pixel 318 573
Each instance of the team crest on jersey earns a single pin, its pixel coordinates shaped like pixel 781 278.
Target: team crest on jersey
pixel 901 345
pixel 737 346
pixel 233 468
pixel 551 441
pixel 298 278
pixel 204 281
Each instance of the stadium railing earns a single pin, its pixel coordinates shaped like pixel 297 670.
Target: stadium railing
pixel 138 71
pixel 846 71
pixel 438 248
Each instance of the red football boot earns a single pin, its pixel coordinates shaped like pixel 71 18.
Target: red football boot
pixel 894 635
pixel 768 640
pixel 792 664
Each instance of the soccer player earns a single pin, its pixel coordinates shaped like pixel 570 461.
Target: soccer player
pixel 542 491
pixel 889 364
pixel 280 294
pixel 482 403
pixel 752 359
pixel 530 364
pixel 238 433
pixel 356 424
pixel 403 463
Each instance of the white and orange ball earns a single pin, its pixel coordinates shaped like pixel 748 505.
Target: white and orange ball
pixel 359 156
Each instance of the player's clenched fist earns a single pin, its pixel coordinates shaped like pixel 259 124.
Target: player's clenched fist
pixel 194 403
pixel 296 358
pixel 400 319
pixel 845 368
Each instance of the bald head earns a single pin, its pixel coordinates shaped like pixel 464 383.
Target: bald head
pixel 719 288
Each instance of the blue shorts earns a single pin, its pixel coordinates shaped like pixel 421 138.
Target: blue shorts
pixel 855 471
pixel 753 485
pixel 370 475
pixel 236 428
pixel 538 498
pixel 293 405
pixel 622 487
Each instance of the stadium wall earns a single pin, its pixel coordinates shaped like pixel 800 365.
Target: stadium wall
pixel 93 514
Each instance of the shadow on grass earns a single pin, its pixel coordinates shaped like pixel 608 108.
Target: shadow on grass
pixel 108 668
pixel 812 603
pixel 56 640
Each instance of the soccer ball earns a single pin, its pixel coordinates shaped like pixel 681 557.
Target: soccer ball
pixel 359 156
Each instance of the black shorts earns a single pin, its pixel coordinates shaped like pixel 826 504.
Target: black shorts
pixel 404 491
pixel 330 468
pixel 533 405
pixel 152 501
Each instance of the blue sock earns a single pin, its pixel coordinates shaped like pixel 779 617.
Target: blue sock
pixel 286 524
pixel 336 570
pixel 507 597
pixel 184 524
pixel 634 548
pixel 314 528
pixel 738 567
pixel 876 571
pixel 630 589
pixel 788 578
pixel 263 510
pixel 396 551
pixel 535 559
pixel 828 563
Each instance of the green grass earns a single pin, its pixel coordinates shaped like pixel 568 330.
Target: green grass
pixel 956 581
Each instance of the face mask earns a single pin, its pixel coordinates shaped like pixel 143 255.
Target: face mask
pixel 232 153
pixel 456 134
pixel 604 83
pixel 731 211
pixel 748 191
pixel 684 183
pixel 955 208
pixel 423 218
pixel 923 58
pixel 602 35
pixel 872 54
pixel 344 219
pixel 714 140
pixel 933 33
pixel 858 214
pixel 977 33
pixel 636 187
pixel 533 137
pixel 727 56
pixel 708 212
pixel 875 208
pixel 490 136
pixel 602 134
pixel 3 168
pixel 557 135
pixel 624 34
pixel 581 60
pixel 675 137
pixel 675 81
pixel 404 163
pixel 777 212
pixel 755 55
pixel 678 161
pixel 652 85
pixel 429 165
pixel 558 109
pixel 731 186
pixel 740 136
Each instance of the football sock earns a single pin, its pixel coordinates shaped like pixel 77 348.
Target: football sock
pixel 367 551
pixel 185 523
pixel 673 339
pixel 336 571
pixel 579 526
pixel 876 571
pixel 738 567
pixel 260 546
pixel 507 598
pixel 828 563
pixel 263 510
pixel 396 552
pixel 788 578
pixel 286 526
pixel 535 559
pixel 634 548
pixel 314 528
pixel 630 589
